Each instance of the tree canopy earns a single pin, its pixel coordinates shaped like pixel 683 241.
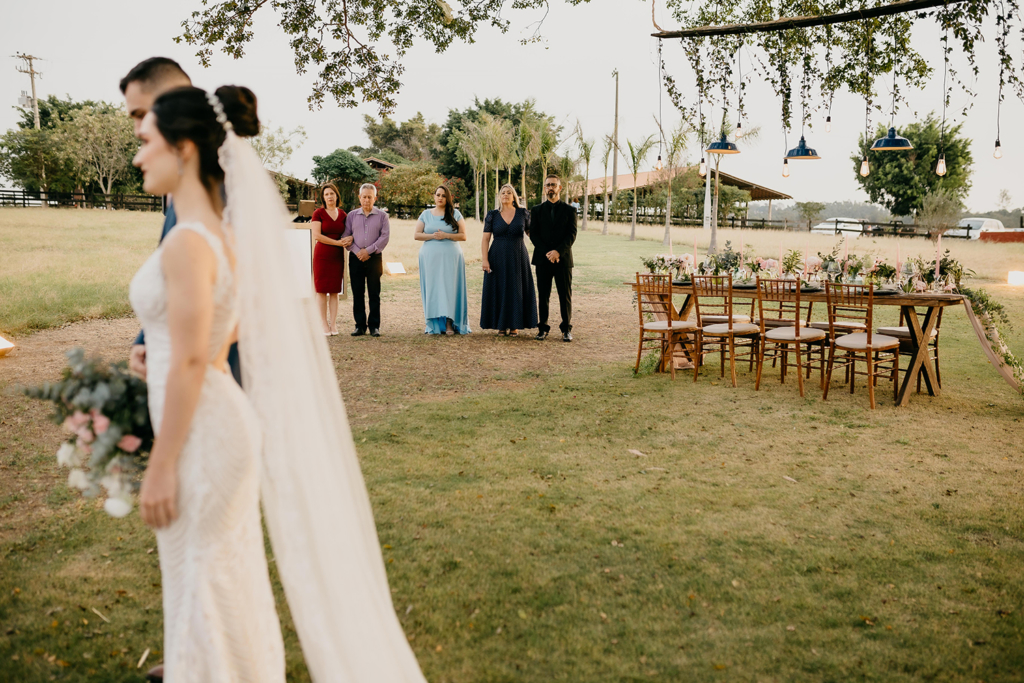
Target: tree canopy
pixel 899 181
pixel 345 41
pixel 415 139
pixel 343 167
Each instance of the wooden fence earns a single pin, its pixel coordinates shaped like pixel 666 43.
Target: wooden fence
pixel 89 200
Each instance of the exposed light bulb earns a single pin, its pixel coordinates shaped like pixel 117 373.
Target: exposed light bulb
pixel 657 166
pixel 865 168
pixel 940 167
pixel 998 154
pixel 739 130
pixel 828 124
pixel 702 170
pixel 785 168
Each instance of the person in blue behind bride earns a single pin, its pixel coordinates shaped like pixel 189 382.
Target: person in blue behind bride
pixel 443 266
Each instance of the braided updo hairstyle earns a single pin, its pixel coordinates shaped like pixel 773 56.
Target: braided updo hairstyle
pixel 185 114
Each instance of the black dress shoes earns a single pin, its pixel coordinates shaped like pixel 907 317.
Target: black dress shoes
pixel 542 335
pixel 567 336
pixel 359 332
pixel 374 332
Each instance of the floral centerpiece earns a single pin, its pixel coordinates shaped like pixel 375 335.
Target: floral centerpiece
pixel 105 409
pixel 666 263
pixel 791 262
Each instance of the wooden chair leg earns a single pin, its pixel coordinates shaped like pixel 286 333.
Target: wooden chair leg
pixel 896 376
pixel 639 352
pixel 732 358
pixel 697 340
pixel 799 371
pixel 871 376
pixel 938 375
pixel 721 358
pixel 672 354
pixel 828 374
pixel 851 369
pixel 760 363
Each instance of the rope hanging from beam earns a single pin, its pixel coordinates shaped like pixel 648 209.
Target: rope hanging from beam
pixel 785 23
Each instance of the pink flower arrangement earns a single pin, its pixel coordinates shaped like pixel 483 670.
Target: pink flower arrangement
pixel 813 264
pixel 129 443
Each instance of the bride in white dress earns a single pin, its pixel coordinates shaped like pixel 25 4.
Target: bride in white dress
pixel 221 273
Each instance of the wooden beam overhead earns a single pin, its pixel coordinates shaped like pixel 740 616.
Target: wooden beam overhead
pixel 786 23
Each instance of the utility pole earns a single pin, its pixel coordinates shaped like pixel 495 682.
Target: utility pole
pixel 32 73
pixel 615 145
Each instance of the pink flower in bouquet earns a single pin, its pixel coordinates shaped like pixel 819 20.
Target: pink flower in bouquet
pixel 100 422
pixel 84 445
pixel 129 443
pixel 85 435
pixel 73 422
pixel 920 286
pixel 770 264
pixel 813 264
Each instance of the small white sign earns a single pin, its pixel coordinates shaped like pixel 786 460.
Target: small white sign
pixel 300 254
pixel 395 268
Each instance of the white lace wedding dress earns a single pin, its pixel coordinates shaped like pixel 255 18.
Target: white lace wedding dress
pixel 220 623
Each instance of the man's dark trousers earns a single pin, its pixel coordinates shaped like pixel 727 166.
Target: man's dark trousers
pixel 562 275
pixel 365 275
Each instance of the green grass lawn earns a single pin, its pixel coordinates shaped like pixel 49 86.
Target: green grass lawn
pixel 759 536
pixel 63 265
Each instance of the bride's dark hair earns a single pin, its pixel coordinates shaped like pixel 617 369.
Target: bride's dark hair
pixel 185 114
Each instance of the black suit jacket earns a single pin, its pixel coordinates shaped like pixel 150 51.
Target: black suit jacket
pixel 553 228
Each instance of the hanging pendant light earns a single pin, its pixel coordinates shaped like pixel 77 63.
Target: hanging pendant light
pixel 998 153
pixel 940 167
pixel 723 146
pixel 891 143
pixel 702 170
pixel 739 130
pixel 828 124
pixel 802 151
pixel 657 166
pixel 865 167
pixel 785 167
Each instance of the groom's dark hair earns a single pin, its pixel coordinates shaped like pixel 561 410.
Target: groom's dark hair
pixel 153 70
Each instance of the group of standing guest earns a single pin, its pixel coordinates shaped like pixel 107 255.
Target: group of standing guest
pixel 364 232
pixel 510 299
pixel 509 302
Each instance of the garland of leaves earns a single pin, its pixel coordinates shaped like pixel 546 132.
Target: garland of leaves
pixel 841 54
pixel 991 314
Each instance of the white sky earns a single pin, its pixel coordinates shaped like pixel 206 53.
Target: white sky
pixel 89 46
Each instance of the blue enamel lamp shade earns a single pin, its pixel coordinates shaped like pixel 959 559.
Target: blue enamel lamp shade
pixel 891 143
pixel 802 151
pixel 723 146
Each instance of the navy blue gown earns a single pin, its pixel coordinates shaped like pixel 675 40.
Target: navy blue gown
pixel 509 298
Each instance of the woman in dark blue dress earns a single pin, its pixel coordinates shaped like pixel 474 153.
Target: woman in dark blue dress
pixel 509 299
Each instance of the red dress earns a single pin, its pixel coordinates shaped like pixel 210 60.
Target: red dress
pixel 329 260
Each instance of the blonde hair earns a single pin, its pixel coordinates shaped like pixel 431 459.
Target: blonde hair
pixel 515 195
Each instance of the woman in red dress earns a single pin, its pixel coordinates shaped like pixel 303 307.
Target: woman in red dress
pixel 329 256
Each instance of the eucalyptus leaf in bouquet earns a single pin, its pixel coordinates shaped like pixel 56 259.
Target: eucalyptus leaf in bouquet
pixel 106 411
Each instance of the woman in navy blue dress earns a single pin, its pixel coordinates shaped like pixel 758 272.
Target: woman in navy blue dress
pixel 509 300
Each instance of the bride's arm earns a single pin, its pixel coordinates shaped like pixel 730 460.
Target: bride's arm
pixel 189 268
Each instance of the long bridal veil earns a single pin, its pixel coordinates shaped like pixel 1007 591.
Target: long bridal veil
pixel 314 498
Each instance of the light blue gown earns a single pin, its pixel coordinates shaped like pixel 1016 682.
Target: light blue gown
pixel 443 278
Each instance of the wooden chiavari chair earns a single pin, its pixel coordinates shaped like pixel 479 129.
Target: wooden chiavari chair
pixel 855 303
pixel 712 298
pixel 659 322
pixel 784 331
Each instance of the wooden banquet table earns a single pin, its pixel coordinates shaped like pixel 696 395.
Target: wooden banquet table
pixel 920 330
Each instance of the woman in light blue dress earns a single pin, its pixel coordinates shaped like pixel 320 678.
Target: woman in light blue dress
pixel 443 267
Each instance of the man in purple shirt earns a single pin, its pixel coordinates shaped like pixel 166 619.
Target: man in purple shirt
pixel 367 232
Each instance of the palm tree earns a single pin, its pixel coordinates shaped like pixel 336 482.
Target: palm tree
pixel 637 154
pixel 501 146
pixel 548 143
pixel 528 140
pixel 675 148
pixel 586 150
pixel 567 170
pixel 471 149
pixel 606 152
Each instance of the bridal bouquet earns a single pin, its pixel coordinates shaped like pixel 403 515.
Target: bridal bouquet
pixel 105 410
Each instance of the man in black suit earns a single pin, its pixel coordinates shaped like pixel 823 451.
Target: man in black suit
pixel 553 231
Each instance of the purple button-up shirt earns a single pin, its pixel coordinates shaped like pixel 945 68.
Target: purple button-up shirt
pixel 369 232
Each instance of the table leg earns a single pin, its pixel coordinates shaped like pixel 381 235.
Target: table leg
pixel 919 362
